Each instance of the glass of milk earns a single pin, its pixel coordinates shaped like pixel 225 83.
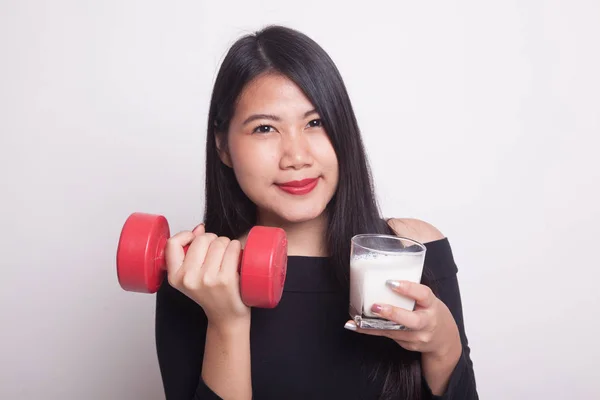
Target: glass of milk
pixel 374 259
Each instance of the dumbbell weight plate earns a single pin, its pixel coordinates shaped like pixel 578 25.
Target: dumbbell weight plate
pixel 140 252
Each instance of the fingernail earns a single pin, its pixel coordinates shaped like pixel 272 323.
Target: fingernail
pixel 393 284
pixel 376 308
pixel 351 326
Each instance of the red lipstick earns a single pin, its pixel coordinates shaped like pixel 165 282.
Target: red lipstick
pixel 301 187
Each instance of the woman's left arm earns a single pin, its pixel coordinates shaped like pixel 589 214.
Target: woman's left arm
pixel 461 383
pixel 431 330
pixel 435 329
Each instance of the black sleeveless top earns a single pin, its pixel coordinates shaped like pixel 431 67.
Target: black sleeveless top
pixel 300 349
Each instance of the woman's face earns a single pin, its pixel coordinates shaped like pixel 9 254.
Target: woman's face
pixel 280 151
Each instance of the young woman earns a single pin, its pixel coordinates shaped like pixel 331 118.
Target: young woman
pixel 280 113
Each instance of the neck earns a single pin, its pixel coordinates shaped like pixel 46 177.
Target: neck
pixel 306 238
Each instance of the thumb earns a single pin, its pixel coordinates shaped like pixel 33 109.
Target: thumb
pixel 199 229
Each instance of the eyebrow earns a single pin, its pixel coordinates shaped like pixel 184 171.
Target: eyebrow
pixel 271 117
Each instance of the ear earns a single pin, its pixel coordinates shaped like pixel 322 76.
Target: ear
pixel 222 149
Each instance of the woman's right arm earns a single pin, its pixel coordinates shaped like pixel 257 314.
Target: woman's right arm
pixel 226 364
pixel 208 274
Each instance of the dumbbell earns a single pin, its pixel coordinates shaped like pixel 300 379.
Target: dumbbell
pixel 141 265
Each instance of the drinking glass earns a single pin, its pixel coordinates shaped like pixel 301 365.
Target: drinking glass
pixel 374 259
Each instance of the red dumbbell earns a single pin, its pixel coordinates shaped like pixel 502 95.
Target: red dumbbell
pixel 141 263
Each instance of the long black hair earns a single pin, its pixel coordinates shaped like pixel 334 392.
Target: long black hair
pixel 353 208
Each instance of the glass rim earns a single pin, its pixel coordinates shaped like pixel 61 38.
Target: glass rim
pixel 383 235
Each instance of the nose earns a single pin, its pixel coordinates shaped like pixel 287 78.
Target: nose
pixel 296 151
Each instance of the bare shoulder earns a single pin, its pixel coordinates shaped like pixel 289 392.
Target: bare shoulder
pixel 415 229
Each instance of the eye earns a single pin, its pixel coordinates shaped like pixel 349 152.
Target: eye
pixel 315 123
pixel 263 129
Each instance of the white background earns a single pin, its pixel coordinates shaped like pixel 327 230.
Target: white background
pixel 481 118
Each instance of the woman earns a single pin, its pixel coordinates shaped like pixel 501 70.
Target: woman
pixel 280 113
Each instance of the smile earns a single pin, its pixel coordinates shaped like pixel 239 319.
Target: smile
pixel 299 187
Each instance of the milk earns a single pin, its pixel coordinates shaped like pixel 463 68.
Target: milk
pixel 368 274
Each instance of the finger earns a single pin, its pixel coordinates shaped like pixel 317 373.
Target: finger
pixel 190 273
pixel 413 320
pixel 197 250
pixel 231 259
pixel 199 229
pixel 420 293
pixel 214 258
pixel 174 253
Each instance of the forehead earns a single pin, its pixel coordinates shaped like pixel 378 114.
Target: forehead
pixel 273 94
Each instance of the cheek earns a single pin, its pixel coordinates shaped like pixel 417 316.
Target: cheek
pixel 325 154
pixel 252 163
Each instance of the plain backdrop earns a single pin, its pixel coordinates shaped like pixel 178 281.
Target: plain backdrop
pixel 481 118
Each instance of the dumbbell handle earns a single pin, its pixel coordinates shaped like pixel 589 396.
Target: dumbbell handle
pixel 161 262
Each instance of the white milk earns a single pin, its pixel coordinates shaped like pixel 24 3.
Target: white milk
pixel 368 274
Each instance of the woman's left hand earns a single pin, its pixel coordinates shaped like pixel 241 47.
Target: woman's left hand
pixel 431 328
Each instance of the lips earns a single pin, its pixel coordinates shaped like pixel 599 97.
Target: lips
pixel 299 187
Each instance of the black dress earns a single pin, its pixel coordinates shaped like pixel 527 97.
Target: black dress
pixel 300 349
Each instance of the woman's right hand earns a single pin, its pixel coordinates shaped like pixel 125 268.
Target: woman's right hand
pixel 208 274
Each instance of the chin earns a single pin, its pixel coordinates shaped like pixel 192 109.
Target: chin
pixel 297 219
pixel 295 215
